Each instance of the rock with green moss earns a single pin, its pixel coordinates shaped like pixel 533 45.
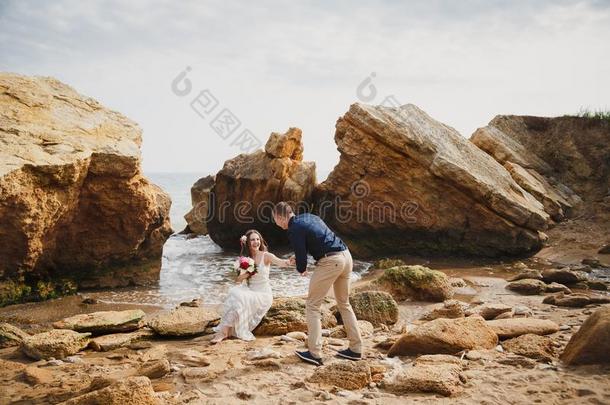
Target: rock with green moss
pixel 12 292
pixel 377 307
pixel 415 282
pixel 387 263
pixel 46 290
pixel 288 315
pixel 15 292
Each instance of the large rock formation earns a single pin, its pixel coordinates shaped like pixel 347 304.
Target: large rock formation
pixel 197 217
pixel 559 160
pixel 248 185
pixel 406 182
pixel 73 201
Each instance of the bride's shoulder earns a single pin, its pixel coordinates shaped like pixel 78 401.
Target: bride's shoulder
pixel 267 258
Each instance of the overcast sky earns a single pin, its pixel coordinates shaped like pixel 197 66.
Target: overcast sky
pixel 281 64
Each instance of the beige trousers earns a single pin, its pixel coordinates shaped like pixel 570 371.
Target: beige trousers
pixel 332 271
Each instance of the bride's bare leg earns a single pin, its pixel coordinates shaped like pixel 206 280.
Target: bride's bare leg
pixel 221 335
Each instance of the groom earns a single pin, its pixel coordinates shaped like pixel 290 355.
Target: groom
pixel 309 234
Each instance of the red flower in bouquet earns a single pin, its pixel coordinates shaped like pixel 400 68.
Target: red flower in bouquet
pixel 247 264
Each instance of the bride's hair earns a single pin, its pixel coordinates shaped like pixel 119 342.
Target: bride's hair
pixel 263 247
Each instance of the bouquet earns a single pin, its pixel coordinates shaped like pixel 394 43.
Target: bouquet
pixel 245 264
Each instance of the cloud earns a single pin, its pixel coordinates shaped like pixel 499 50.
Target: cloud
pixel 277 64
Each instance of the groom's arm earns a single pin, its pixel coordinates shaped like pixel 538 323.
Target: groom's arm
pixel 298 240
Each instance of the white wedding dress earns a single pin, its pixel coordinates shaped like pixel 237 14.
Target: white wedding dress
pixel 246 304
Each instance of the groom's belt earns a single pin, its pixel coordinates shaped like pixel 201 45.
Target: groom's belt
pixel 336 252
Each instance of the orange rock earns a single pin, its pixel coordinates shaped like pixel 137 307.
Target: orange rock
pixel 73 200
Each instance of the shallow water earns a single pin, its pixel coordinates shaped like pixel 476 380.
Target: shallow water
pixel 198 268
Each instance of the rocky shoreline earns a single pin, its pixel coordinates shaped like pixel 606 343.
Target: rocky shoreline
pixel 463 321
pixel 483 342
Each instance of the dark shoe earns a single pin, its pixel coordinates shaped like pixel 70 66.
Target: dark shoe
pixel 348 354
pixel 308 357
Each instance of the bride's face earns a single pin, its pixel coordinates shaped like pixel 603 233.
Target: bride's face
pixel 255 241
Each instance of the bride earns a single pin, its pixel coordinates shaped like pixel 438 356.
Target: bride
pixel 247 303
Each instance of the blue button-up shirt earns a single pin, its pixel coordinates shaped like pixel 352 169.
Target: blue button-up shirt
pixel 309 234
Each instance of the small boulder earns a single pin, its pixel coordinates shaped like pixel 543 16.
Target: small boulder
pixel 302 336
pixel 154 368
pixel 597 285
pixel 556 287
pixel 528 274
pixel 415 282
pixel 595 263
pixel 114 341
pixel 35 376
pixel 527 286
pixel 131 390
pixel 604 250
pixel 190 357
pixel 450 309
pixel 563 276
pixel 576 300
pixel 491 310
pixel 591 344
pixel 441 379
pixel 288 315
pixel 445 336
pixel 11 335
pixel 505 315
pixel 530 345
pixel 377 307
pixel 366 329
pixel 347 375
pixel 103 322
pixel 522 310
pixel 182 321
pixel 58 343
pixel 195 302
pixel 198 374
pixel 513 327
pixel 514 360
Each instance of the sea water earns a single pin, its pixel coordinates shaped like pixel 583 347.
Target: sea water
pixel 197 267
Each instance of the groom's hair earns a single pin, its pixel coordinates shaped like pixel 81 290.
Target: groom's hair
pixel 282 209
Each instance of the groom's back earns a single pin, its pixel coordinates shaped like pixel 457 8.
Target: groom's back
pixel 319 238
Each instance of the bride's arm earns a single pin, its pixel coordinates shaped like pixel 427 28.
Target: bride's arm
pixel 243 276
pixel 273 259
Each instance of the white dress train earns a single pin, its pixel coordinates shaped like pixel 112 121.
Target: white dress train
pixel 246 304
